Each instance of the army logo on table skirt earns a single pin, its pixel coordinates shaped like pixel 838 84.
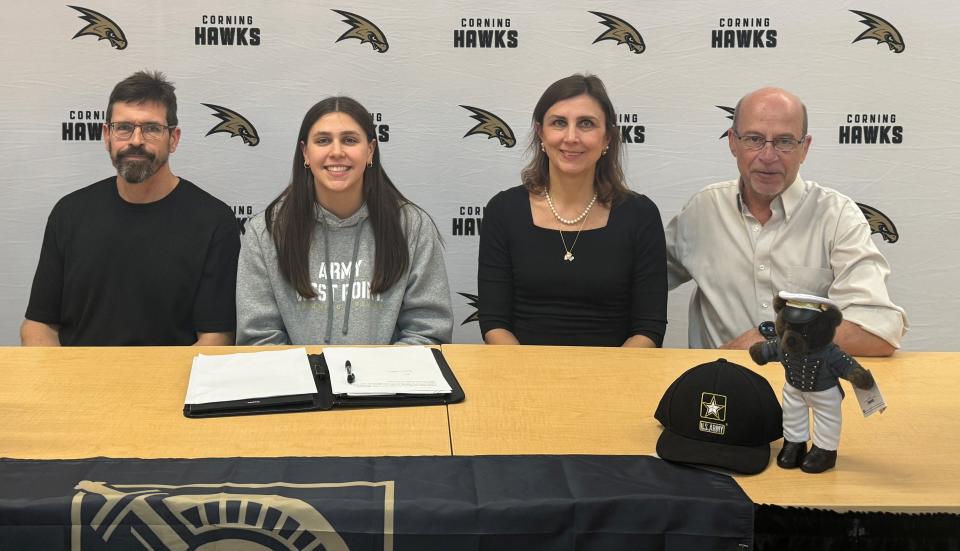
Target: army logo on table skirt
pixel 880 223
pixel 363 30
pixel 234 124
pixel 102 27
pixel 620 32
pixel 491 126
pixel 881 30
pixel 230 516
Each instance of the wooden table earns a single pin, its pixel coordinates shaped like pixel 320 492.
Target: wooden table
pixel 126 402
pixel 562 400
pixel 69 403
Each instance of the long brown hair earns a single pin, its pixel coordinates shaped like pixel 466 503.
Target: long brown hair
pixel 608 177
pixel 291 217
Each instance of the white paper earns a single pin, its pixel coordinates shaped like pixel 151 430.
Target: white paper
pixel 230 377
pixel 385 370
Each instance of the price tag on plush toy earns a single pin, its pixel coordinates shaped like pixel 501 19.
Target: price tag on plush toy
pixel 871 400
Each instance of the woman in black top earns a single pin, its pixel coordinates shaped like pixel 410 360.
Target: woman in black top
pixel 572 256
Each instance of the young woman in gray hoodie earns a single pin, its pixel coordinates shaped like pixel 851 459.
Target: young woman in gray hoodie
pixel 341 256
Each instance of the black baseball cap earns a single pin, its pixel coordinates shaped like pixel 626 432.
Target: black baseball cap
pixel 720 414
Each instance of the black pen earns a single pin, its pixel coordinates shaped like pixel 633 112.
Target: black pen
pixel 350 376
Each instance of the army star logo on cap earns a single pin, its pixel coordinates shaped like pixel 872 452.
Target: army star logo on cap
pixel 714 408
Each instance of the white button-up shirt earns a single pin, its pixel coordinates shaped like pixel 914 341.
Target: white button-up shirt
pixel 817 241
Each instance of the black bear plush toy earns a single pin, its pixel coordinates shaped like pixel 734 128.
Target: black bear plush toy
pixel 805 327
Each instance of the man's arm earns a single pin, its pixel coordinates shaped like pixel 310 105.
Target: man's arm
pixel 215 339
pixel 857 341
pixel 677 273
pixel 873 325
pixel 745 340
pixel 35 333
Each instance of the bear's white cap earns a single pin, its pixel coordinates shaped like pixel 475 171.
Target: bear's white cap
pixel 808 302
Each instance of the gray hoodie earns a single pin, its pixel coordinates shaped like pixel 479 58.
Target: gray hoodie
pixel 416 310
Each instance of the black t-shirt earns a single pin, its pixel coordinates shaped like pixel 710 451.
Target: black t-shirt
pixel 616 286
pixel 118 273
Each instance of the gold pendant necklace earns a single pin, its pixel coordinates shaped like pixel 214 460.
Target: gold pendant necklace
pixel 568 256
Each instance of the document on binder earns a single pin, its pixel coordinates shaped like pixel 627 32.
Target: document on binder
pixel 384 371
pixel 248 376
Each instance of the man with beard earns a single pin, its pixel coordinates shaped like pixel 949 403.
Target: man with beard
pixel 142 258
pixel 744 240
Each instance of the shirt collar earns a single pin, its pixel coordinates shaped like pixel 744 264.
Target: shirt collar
pixel 788 200
pixel 792 196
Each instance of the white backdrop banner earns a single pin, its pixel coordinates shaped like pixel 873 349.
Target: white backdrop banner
pixel 879 78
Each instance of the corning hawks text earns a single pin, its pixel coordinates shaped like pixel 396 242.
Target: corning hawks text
pixel 469 221
pixel 876 128
pixel 84 125
pixel 382 131
pixel 243 213
pixel 744 32
pixel 630 131
pixel 226 30
pixel 485 33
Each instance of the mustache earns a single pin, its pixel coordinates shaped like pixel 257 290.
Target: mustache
pixel 135 150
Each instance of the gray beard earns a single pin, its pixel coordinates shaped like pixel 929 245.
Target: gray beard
pixel 135 172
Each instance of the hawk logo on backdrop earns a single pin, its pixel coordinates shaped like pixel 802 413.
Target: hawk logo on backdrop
pixel 84 125
pixel 227 515
pixel 731 111
pixel 475 302
pixel 880 223
pixel 743 32
pixel 620 32
pixel 102 27
pixel 713 413
pixel 881 30
pixel 871 128
pixel 491 126
pixel 363 30
pixel 233 123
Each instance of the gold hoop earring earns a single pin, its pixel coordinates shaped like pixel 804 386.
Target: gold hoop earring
pixel 306 164
pixel 542 148
pixel 605 149
pixel 369 164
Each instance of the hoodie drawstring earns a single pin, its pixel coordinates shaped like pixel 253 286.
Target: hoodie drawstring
pixel 353 272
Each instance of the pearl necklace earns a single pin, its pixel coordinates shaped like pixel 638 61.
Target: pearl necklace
pixel 565 220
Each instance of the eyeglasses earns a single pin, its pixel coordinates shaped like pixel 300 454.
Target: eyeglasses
pixel 149 131
pixel 783 144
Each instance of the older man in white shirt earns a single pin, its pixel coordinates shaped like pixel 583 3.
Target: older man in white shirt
pixel 744 240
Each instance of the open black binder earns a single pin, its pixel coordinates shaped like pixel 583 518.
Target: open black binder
pixel 324 399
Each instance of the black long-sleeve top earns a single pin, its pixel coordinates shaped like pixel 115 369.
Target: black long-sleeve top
pixel 615 287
